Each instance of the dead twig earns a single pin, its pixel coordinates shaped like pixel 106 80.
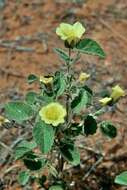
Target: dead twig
pixel 17 43
pixel 5 146
pixel 14 46
pixel 107 25
pixel 11 73
pixel 8 170
pixel 3 132
pixel 12 146
pixel 92 151
pixel 19 139
pixel 93 168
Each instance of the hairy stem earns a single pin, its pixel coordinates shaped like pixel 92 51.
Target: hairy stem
pixel 60 158
pixel 60 163
pixel 68 90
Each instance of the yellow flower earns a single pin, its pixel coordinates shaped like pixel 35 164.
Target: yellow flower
pixel 3 120
pixel 83 77
pixel 117 92
pixel 105 101
pixel 46 79
pixel 69 32
pixel 53 113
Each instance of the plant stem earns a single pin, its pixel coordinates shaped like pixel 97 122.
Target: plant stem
pixel 100 111
pixel 60 158
pixel 68 90
pixel 60 163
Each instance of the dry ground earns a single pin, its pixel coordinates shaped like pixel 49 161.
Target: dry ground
pixel 27 39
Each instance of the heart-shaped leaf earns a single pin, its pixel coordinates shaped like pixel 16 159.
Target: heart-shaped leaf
pixel 91 47
pixel 70 153
pixel 62 54
pixel 18 111
pixel 83 99
pixel 23 148
pixel 23 177
pixel 44 136
pixel 108 129
pixel 90 125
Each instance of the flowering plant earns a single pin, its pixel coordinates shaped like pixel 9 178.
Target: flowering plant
pixel 51 113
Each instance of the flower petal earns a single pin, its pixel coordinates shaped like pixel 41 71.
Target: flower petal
pixel 53 113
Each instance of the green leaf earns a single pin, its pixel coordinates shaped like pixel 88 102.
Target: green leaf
pixel 23 148
pixel 56 187
pixel 108 129
pixel 32 162
pixel 121 178
pixel 42 180
pixel 47 97
pixel 89 94
pixel 23 177
pixel 59 83
pixel 81 100
pixel 70 153
pixel 31 97
pixel 44 136
pixel 91 47
pixel 18 111
pixel 62 54
pixel 32 78
pixel 90 125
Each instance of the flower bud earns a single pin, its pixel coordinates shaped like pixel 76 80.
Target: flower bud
pixel 3 120
pixel 46 79
pixel 83 77
pixel 105 101
pixel 117 92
